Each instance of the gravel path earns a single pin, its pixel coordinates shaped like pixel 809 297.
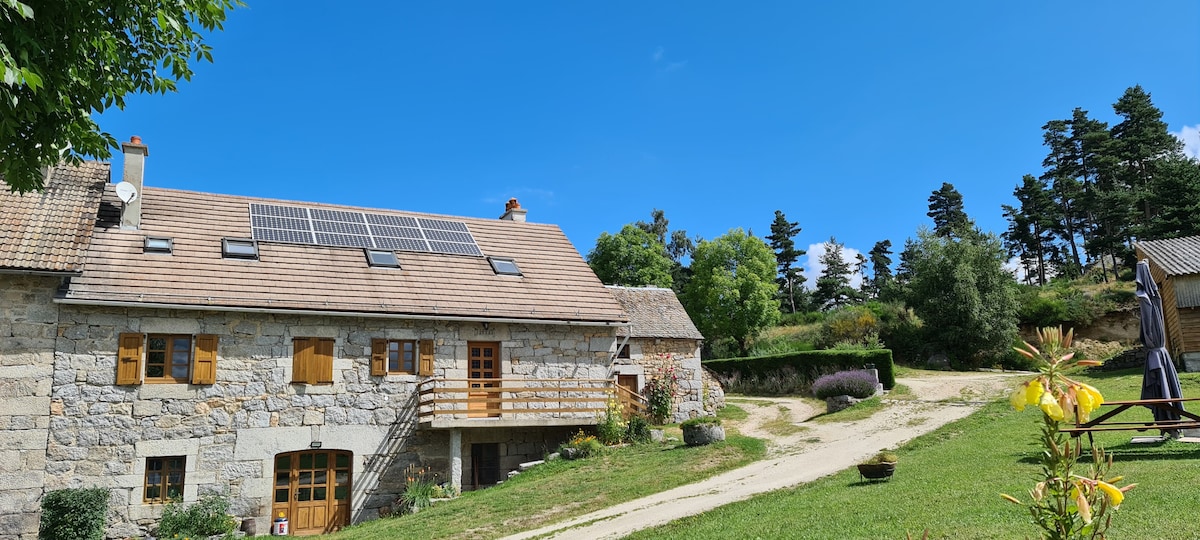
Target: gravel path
pixel 799 451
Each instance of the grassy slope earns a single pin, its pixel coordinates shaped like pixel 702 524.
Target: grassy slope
pixel 560 490
pixel 948 481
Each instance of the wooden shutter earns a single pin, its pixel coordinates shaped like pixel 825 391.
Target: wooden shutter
pixel 379 357
pixel 323 362
pixel 302 352
pixel 129 359
pixel 204 361
pixel 426 366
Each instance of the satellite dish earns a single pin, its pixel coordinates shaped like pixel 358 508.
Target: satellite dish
pixel 127 192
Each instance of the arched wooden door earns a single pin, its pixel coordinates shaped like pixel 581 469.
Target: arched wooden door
pixel 312 489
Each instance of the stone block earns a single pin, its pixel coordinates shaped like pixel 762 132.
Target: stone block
pixel 22 440
pixel 147 407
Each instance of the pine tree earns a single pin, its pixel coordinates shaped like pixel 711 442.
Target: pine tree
pixel 1062 177
pixel 833 286
pixel 1140 143
pixel 786 255
pixel 1028 235
pixel 946 209
pixel 881 267
pixel 676 246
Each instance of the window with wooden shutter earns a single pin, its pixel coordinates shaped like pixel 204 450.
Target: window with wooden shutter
pixel 426 366
pixel 379 357
pixel 129 359
pixel 204 365
pixel 312 360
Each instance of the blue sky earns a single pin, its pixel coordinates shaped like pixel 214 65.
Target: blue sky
pixel 845 115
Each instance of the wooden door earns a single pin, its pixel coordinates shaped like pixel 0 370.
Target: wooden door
pixel 630 383
pixel 312 489
pixel 483 362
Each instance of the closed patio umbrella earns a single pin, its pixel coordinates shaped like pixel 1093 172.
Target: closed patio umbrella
pixel 1160 379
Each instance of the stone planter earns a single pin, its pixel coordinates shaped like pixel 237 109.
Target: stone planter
pixel 876 471
pixel 702 434
pixel 836 403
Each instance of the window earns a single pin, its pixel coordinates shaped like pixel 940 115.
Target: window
pixel 239 248
pixel 166 358
pixel 382 259
pixel 396 356
pixel 504 266
pixel 623 352
pixel 312 360
pixel 164 479
pixel 158 244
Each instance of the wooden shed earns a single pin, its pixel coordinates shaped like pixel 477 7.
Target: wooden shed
pixel 1175 265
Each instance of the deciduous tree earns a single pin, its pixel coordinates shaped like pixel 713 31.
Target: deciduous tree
pixel 732 293
pixel 632 258
pixel 62 61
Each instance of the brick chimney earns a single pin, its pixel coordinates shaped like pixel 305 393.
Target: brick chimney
pixel 135 168
pixel 513 211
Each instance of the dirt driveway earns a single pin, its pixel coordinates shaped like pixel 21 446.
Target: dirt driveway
pixel 799 451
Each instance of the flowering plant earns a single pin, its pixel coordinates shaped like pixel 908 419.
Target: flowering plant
pixel 1064 504
pixel 660 394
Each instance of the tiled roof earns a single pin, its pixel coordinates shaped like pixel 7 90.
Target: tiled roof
pixel 654 313
pixel 556 283
pixel 1176 256
pixel 49 231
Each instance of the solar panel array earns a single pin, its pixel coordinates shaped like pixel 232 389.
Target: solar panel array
pixel 341 228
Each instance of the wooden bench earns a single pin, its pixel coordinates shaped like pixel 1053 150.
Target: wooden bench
pixel 1187 420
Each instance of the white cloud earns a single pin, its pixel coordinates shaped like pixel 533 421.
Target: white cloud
pixel 1190 135
pixel 813 266
pixel 1014 267
pixel 658 54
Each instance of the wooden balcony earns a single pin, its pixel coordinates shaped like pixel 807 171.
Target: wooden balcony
pixel 519 402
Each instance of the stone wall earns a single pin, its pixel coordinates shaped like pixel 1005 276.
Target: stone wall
pixel 101 434
pixel 680 358
pixel 28 326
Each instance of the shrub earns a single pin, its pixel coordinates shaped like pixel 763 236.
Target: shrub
pixel 580 446
pixel 851 324
pixel 611 428
pixel 208 516
pixel 74 514
pixel 637 431
pixel 900 329
pixel 784 381
pixel 660 395
pixel 858 384
pixel 701 421
pixel 419 489
pixel 808 365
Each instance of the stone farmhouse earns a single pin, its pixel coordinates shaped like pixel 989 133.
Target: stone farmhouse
pixel 662 341
pixel 295 357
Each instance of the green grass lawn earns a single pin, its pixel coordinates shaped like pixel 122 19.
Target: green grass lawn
pixel 560 490
pixel 949 481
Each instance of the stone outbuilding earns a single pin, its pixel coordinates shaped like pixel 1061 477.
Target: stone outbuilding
pixel 662 342
pixel 295 357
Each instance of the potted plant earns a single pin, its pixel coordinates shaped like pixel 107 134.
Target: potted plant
pixel 881 466
pixel 702 430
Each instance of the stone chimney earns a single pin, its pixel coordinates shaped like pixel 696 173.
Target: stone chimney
pixel 135 168
pixel 513 211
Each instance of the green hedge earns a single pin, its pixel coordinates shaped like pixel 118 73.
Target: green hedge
pixel 74 514
pixel 811 364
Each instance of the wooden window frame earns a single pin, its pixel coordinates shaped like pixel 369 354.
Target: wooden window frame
pixel 168 355
pixel 423 357
pixel 164 485
pixel 623 351
pixel 399 345
pixel 312 360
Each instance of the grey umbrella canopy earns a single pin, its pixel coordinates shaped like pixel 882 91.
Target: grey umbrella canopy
pixel 1160 379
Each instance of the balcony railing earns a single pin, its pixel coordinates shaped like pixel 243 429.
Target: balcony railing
pixel 447 403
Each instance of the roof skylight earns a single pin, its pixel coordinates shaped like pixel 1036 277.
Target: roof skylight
pixel 380 258
pixel 239 248
pixel 504 266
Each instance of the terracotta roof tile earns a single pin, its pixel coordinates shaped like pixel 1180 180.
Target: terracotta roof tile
pixel 49 231
pixel 556 283
pixel 1176 256
pixel 654 313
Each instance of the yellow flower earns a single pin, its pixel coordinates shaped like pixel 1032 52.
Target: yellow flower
pixel 1017 399
pixel 1034 391
pixel 1050 406
pixel 1115 495
pixel 1093 394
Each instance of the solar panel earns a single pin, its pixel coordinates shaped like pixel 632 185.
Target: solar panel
pixel 342 228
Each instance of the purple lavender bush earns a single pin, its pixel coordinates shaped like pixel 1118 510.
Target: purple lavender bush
pixel 858 384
